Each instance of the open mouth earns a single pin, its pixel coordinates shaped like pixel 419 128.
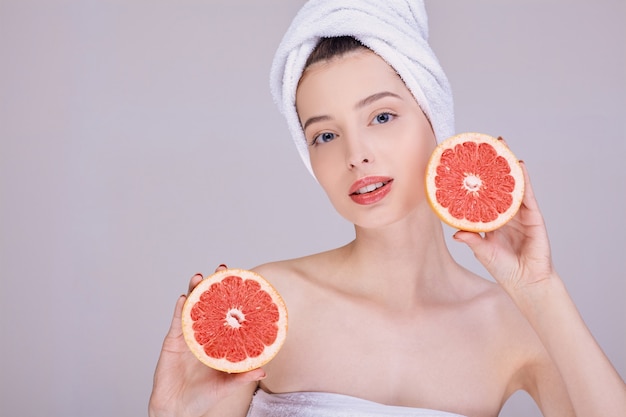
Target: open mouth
pixel 369 188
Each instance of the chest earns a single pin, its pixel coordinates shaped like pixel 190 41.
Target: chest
pixel 436 359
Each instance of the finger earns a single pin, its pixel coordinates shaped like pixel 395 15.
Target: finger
pixel 195 280
pixel 470 238
pixel 176 327
pixel 529 199
pixel 247 377
pixel 482 250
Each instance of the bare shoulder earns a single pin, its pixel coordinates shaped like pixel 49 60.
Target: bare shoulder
pixel 292 277
pixel 497 309
pixel 278 272
pixel 529 365
pixel 515 349
pixel 510 326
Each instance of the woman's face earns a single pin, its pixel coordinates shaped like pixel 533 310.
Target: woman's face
pixel 368 139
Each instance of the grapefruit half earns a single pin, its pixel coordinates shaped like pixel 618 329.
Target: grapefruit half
pixel 474 182
pixel 234 321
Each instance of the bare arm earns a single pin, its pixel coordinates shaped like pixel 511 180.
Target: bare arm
pixel 518 257
pixel 593 384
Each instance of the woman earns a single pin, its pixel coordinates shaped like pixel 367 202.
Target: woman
pixel 390 324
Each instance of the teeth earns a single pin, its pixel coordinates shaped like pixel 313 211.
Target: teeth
pixel 369 188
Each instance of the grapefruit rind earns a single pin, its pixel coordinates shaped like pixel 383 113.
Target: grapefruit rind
pixel 222 364
pixel 502 150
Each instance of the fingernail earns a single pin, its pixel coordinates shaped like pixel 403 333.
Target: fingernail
pixel 222 266
pixel 500 138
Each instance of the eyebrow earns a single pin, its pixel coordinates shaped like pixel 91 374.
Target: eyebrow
pixel 362 103
pixel 315 119
pixel 374 97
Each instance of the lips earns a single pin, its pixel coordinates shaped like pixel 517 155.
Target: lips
pixel 370 190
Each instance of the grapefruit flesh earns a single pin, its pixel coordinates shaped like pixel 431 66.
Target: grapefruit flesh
pixel 234 321
pixel 474 182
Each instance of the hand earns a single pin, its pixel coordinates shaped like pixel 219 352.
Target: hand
pixel 517 255
pixel 184 386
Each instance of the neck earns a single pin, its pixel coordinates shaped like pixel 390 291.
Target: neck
pixel 402 264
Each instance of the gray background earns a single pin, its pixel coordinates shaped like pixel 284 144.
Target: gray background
pixel 139 145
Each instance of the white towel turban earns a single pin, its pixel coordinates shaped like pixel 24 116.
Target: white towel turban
pixel 397 30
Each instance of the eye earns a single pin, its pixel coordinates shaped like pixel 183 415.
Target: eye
pixel 323 138
pixel 383 118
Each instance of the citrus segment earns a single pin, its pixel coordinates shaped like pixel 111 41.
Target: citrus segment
pixel 474 182
pixel 234 321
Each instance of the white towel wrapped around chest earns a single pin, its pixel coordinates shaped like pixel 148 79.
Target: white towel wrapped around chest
pixel 325 404
pixel 397 30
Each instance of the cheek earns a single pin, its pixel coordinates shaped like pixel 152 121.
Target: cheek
pixel 327 171
pixel 413 162
pixel 317 165
pixel 325 163
pixel 425 145
pixel 414 148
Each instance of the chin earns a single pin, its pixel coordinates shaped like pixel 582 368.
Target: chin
pixel 374 219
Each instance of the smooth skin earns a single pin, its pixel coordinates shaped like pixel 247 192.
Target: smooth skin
pixel 391 317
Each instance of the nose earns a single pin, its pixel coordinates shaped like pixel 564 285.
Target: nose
pixel 358 153
pixel 354 163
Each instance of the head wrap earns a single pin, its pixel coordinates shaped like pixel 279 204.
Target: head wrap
pixel 396 30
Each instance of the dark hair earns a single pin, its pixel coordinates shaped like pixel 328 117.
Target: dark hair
pixel 328 48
